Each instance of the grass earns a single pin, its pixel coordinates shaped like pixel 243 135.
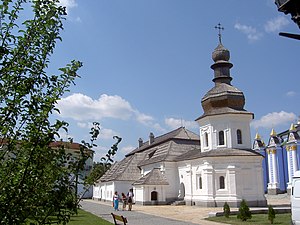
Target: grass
pixel 87 218
pixel 257 219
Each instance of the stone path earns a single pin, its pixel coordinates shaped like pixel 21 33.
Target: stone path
pixel 167 214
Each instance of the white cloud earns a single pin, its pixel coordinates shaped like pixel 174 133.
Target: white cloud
pixel 251 32
pixel 83 108
pixel 143 118
pixel 107 133
pixel 291 93
pixel 274 119
pixel 276 24
pixel 68 4
pixel 175 123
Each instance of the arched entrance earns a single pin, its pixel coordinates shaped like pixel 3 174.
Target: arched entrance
pixel 154 196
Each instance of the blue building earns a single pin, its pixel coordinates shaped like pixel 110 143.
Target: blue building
pixel 281 159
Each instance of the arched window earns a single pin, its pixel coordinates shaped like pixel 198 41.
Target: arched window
pixel 222 182
pixel 154 196
pixel 205 139
pixel 200 182
pixel 239 136
pixel 221 138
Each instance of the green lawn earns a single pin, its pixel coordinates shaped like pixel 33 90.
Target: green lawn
pixel 258 219
pixel 87 218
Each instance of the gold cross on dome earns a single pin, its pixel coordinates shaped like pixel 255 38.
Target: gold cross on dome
pixel 219 27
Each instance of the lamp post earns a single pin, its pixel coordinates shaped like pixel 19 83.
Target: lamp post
pixel 290 7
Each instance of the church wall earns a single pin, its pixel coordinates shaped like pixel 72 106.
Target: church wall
pixel 229 123
pixel 143 194
pixel 240 181
pixel 123 186
pixel 138 194
pixel 171 172
pixel 105 191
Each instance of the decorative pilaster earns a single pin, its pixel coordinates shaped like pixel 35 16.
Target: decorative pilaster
pixel 273 185
pixel 291 151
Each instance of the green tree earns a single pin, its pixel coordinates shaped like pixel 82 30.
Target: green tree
pixel 226 210
pixel 101 167
pixel 271 214
pixel 34 182
pixel 244 211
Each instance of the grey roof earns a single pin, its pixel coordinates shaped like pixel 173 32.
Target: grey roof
pixel 181 133
pixel 222 89
pixel 166 147
pixel 126 169
pixel 154 177
pixel 167 152
pixel 217 153
pixel 223 99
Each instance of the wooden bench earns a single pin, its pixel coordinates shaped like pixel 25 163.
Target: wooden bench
pixel 119 218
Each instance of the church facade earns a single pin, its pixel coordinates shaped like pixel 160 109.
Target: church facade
pixel 209 169
pixel 281 158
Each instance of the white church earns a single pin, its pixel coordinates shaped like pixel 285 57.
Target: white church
pixel 208 169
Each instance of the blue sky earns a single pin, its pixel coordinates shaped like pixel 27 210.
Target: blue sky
pixel 146 65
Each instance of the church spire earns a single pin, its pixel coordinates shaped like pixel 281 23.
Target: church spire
pixel 223 98
pixel 219 27
pixel 221 57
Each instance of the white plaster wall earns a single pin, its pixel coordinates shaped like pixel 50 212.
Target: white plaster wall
pixel 123 186
pixel 104 191
pixel 96 192
pixel 229 123
pixel 171 172
pixel 139 194
pixel 243 179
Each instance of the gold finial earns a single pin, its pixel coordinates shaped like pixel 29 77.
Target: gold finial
pixel 273 133
pixel 257 136
pixel 292 128
pixel 219 27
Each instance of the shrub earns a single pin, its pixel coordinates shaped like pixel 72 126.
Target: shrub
pixel 244 212
pixel 226 210
pixel 271 214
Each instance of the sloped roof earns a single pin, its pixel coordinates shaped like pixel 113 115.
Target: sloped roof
pixel 180 133
pixel 164 148
pixel 154 177
pixel 168 151
pixel 126 169
pixel 217 153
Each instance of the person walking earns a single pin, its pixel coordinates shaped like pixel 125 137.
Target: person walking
pixel 130 196
pixel 116 201
pixel 124 200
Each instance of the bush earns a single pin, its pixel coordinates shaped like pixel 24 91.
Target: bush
pixel 244 212
pixel 271 214
pixel 226 210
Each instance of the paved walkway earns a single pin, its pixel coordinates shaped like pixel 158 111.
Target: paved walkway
pixel 167 214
